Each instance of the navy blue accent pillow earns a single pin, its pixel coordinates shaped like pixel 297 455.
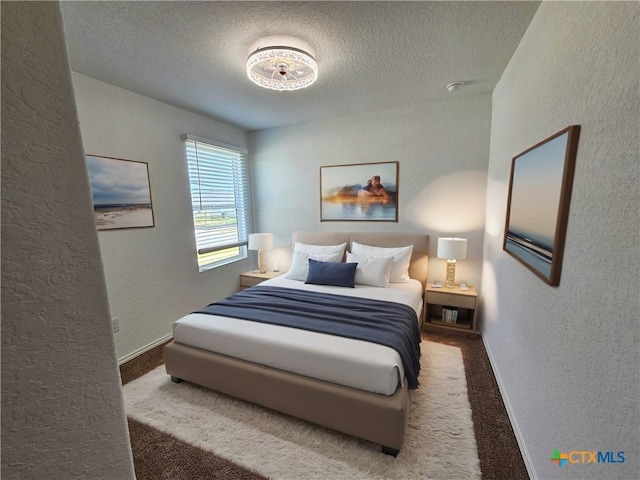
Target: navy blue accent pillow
pixel 331 273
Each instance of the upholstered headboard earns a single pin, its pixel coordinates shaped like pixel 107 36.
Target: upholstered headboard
pixel 419 258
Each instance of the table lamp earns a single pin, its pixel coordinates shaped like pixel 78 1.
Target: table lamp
pixel 260 242
pixel 452 249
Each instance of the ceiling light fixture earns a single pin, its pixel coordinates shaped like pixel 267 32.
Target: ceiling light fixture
pixel 455 86
pixel 282 68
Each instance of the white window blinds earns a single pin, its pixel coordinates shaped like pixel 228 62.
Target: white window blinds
pixel 218 180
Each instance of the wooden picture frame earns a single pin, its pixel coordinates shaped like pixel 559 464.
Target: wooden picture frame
pixel 121 193
pixel 359 192
pixel 538 204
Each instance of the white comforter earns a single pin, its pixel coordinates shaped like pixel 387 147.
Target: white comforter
pixel 353 363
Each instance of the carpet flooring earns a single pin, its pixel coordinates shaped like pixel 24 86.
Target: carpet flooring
pixel 439 442
pixel 161 456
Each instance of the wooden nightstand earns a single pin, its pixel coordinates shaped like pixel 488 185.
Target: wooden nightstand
pixel 249 279
pixel 454 300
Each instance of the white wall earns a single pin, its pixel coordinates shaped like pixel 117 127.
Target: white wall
pixel 62 408
pixel 151 273
pixel 442 149
pixel 567 357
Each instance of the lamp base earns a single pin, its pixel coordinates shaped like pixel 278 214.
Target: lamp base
pixel 262 266
pixel 450 281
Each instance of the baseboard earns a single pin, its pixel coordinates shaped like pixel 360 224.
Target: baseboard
pixel 146 348
pixel 512 418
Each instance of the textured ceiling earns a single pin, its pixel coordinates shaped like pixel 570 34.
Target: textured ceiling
pixel 371 55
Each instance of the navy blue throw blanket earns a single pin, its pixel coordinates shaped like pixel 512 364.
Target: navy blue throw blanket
pixel 387 323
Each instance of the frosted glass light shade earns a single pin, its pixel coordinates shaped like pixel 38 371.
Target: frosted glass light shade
pixel 282 68
pixel 452 248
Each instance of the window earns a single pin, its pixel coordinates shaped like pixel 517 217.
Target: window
pixel 218 181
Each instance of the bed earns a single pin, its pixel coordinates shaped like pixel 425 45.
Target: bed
pixel 300 373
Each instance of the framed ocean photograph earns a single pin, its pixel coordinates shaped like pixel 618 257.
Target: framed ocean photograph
pixel 538 204
pixel 359 192
pixel 121 193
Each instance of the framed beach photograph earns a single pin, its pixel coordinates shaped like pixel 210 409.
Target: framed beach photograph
pixel 362 192
pixel 121 193
pixel 538 204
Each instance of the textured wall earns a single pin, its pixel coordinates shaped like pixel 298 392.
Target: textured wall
pixel 567 357
pixel 442 149
pixel 62 409
pixel 151 273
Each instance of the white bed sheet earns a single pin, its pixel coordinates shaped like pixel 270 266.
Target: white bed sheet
pixel 353 363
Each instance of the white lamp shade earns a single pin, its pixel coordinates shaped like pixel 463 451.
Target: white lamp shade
pixel 260 241
pixel 452 248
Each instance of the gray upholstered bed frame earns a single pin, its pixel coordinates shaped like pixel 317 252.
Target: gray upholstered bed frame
pixel 378 418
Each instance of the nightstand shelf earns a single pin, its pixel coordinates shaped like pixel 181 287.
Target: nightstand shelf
pixel 460 304
pixel 250 279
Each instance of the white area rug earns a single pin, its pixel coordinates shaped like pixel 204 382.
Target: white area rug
pixel 439 443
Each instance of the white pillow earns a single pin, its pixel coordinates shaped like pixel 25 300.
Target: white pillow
pixel 300 263
pixel 374 271
pixel 401 259
pixel 320 249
